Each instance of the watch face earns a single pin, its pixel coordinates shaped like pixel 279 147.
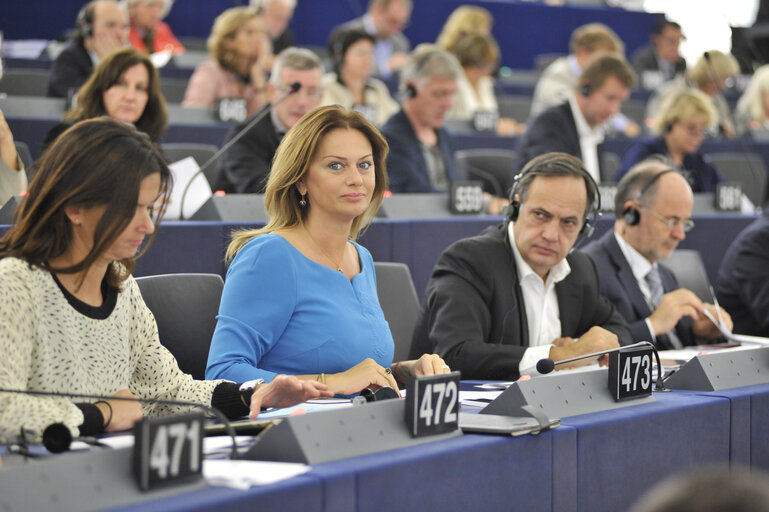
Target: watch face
pixel 251 384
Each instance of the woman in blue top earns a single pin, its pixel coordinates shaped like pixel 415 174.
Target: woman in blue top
pixel 300 296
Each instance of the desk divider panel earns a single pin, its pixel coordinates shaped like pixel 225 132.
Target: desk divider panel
pixel 560 395
pixel 724 369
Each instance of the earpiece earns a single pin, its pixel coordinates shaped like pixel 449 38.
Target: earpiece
pixel 585 89
pixel 632 215
pixel 667 127
pixel 84 22
pixel 411 91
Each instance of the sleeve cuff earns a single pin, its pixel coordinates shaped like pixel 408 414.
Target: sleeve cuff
pixel 228 399
pixel 93 421
pixel 652 337
pixel 528 363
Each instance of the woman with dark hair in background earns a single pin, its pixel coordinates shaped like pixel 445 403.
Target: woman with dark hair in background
pixel 124 86
pixel 240 51
pixel 351 84
pixel 72 318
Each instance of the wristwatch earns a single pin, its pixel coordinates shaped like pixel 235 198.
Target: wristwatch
pixel 247 389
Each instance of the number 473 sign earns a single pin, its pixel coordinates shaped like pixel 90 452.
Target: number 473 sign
pixel 432 404
pixel 630 373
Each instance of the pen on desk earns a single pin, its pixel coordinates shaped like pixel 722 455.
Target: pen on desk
pixel 715 303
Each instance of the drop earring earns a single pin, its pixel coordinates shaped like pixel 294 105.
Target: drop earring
pixel 303 202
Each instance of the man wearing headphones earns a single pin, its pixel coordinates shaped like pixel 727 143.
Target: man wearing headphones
pixel 499 302
pixel 576 127
pixel 102 27
pixel 653 207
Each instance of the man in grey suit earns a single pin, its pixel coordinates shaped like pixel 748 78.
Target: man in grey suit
pixel 385 20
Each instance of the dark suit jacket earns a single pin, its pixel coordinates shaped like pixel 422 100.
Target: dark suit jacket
pixel 619 285
pixel 245 167
pixel 70 70
pixel 406 165
pixel 742 285
pixel 552 130
pixel 645 59
pixel 473 313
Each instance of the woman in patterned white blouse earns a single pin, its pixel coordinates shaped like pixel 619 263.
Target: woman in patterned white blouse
pixel 72 319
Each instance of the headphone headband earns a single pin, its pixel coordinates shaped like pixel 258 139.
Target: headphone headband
pixel 632 215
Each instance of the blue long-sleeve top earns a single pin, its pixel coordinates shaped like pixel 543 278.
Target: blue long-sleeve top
pixel 283 313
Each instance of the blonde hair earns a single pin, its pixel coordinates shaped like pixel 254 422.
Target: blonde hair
pixel 684 105
pixel 226 26
pixel 751 103
pixel 722 65
pixel 595 37
pixel 464 20
pixel 292 161
pixel 476 50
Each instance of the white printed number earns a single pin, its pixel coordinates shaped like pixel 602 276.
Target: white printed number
pixel 469 199
pixel 166 463
pixel 630 375
pixel 444 391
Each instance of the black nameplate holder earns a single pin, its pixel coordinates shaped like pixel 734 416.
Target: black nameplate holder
pixel 432 404
pixel 728 197
pixel 231 110
pixel 466 197
pixel 168 450
pixel 630 373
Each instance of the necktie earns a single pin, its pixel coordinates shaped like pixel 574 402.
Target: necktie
pixel 654 280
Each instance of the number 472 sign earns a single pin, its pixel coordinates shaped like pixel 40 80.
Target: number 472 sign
pixel 432 404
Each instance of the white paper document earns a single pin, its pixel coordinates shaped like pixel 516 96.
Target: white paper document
pixel 242 474
pixel 199 191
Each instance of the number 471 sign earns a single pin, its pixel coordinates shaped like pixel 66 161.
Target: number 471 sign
pixel 432 404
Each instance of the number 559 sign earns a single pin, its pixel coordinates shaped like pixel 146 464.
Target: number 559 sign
pixel 432 404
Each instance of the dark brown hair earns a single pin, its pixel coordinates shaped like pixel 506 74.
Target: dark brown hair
pixel 97 162
pixel 90 97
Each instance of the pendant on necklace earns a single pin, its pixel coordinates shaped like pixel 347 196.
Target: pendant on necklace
pixel 339 269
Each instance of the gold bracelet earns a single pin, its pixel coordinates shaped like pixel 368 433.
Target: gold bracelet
pixel 321 378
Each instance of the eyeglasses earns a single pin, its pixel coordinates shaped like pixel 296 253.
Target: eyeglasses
pixel 310 92
pixel 672 222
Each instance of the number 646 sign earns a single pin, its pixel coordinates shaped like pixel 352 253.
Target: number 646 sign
pixel 432 404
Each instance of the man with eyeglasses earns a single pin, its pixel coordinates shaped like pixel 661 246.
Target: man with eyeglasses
pixel 652 208
pixel 244 168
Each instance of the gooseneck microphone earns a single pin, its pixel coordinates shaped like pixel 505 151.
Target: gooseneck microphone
pixel 57 438
pixel 293 88
pixel 547 365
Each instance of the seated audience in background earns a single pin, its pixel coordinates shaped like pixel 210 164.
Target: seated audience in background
pixel 350 84
pixel 500 301
pixel 72 318
pixel 148 31
pixel 13 175
pixel 239 49
pixel 276 15
pixel 421 155
pixel 752 112
pixel 726 488
pixel 385 20
pixel 124 86
pixel 479 55
pixel 709 74
pixel 680 127
pixel 245 166
pixel 660 61
pixel 463 21
pixel 577 127
pixel 561 77
pixel 102 27
pixel 300 295
pixel 742 285
pixel 652 214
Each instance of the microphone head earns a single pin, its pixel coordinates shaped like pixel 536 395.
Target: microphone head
pixel 545 366
pixel 57 438
pixel 295 87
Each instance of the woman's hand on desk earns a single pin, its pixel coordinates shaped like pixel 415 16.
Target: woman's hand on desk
pixel 285 391
pixel 428 364
pixel 120 414
pixel 366 374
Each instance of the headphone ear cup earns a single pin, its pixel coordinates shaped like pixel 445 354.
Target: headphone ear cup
pixel 511 211
pixel 631 216
pixel 667 127
pixel 411 91
pixel 585 90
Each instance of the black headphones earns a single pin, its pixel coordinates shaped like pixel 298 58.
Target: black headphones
pixel 588 226
pixel 84 21
pixel 632 215
pixel 585 89
pixel 667 127
pixel 410 91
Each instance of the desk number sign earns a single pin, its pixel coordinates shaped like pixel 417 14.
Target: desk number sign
pixel 432 404
pixel 630 373
pixel 168 450
pixel 466 197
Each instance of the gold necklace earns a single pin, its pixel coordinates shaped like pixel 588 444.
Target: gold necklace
pixel 337 265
